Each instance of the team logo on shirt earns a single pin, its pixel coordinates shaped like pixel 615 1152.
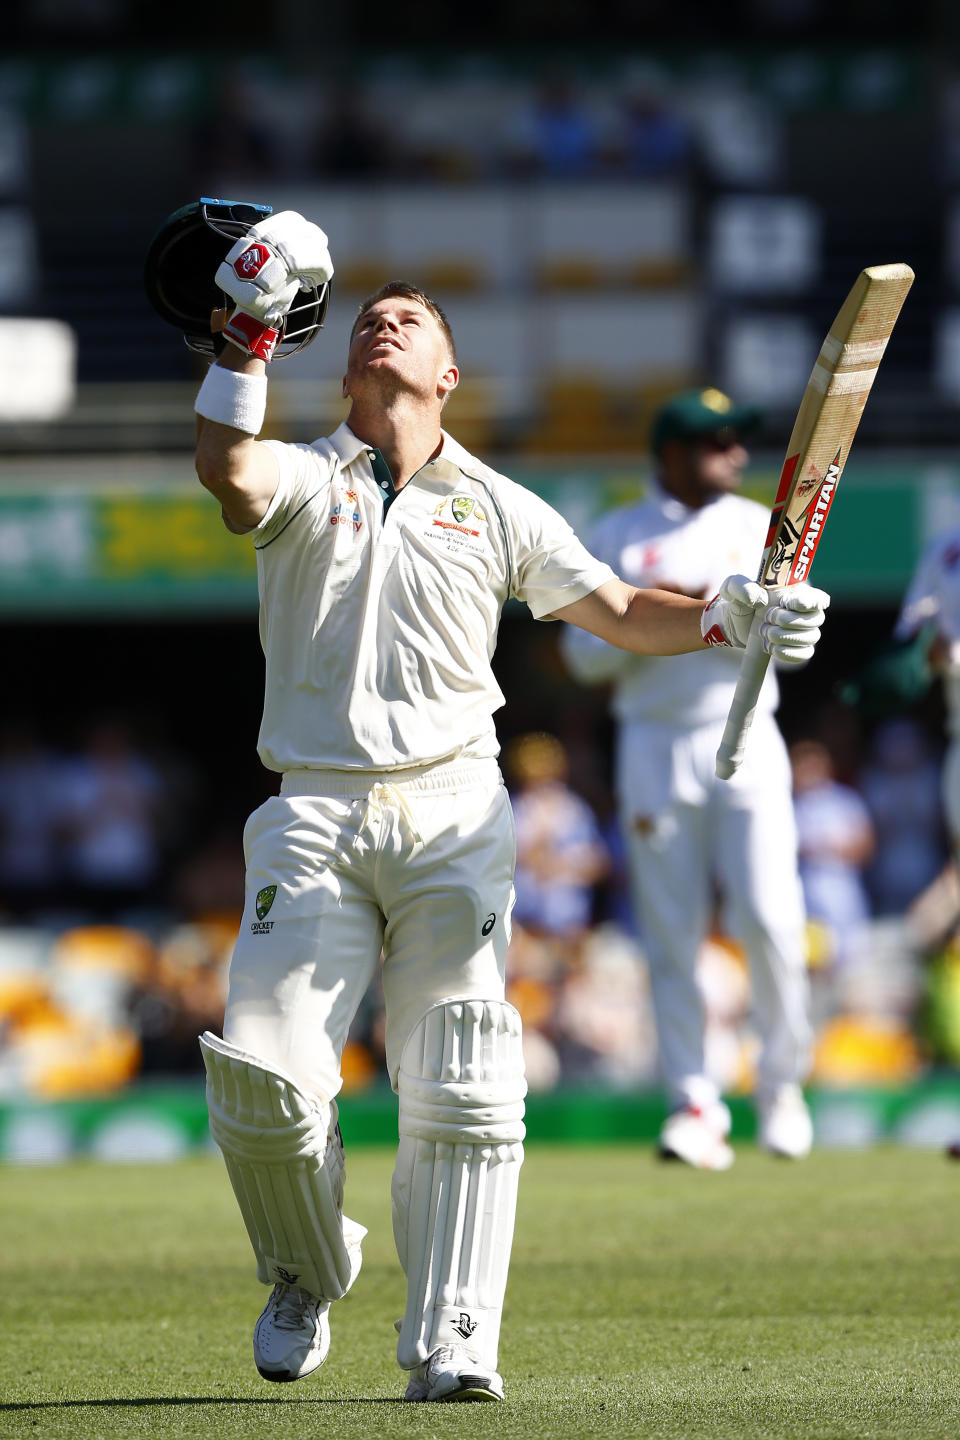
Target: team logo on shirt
pixel 265 898
pixel 346 511
pixel 465 514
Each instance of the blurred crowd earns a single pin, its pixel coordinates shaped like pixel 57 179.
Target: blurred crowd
pixel 118 914
pixel 554 125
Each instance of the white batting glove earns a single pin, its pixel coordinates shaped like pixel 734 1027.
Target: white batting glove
pixel 791 624
pixel 727 619
pixel 263 273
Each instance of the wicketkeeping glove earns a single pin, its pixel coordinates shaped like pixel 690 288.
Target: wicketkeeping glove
pixel 263 273
pixel 789 629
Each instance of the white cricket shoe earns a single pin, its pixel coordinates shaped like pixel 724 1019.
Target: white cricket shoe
pixel 697 1135
pixel 452 1373
pixel 292 1336
pixel 785 1127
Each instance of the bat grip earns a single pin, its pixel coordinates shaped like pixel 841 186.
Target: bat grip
pixel 753 668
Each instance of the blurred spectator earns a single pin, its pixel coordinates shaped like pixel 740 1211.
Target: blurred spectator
pixel 554 134
pixel 835 843
pixel 210 878
pixel 30 818
pixel 651 139
pixel 560 853
pixel 901 785
pixel 113 812
pixel 233 138
pixel 350 142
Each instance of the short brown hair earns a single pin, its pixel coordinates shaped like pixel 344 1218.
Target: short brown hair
pixel 407 292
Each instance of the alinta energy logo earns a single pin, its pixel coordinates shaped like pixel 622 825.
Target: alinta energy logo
pixel 347 510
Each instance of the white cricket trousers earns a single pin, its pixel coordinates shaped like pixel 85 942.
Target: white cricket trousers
pixel 689 833
pixel 419 867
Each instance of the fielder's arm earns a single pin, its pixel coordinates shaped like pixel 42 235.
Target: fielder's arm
pixel 240 471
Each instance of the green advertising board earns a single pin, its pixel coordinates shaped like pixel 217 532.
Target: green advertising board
pixel 149 541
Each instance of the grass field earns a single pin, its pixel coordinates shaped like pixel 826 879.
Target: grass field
pixel 816 1300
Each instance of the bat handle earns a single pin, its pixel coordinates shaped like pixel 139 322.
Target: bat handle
pixel 753 668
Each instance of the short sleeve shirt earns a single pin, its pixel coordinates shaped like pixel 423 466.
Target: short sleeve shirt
pixel 661 543
pixel 379 611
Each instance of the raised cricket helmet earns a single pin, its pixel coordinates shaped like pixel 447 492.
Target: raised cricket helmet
pixel 183 258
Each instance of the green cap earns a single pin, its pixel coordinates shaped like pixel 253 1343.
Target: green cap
pixel 693 414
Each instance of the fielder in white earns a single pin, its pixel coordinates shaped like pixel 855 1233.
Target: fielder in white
pixel 385 555
pixel 932 602
pixel 686 830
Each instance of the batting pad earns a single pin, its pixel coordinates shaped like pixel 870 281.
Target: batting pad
pixel 454 1191
pixel 285 1161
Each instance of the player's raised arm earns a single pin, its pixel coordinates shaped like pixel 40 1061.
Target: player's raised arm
pixel 263 274
pixel 239 471
pixel 266 279
pixel 659 622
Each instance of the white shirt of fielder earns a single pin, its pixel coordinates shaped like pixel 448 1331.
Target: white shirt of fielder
pixel 662 543
pixel 934 594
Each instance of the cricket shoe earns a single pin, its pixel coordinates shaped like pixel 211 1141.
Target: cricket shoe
pixel 292 1336
pixel 452 1373
pixel 785 1127
pixel 697 1135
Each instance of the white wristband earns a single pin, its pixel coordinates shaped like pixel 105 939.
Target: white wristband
pixel 233 399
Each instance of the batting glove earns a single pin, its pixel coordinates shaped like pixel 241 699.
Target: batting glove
pixel 791 623
pixel 263 273
pixel 727 619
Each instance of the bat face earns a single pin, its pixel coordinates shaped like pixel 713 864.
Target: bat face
pixel 827 421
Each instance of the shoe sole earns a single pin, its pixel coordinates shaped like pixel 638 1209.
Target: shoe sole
pixel 470 1390
pixel 285 1377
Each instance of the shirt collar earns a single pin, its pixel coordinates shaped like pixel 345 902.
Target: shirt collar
pixel 447 465
pixel 673 508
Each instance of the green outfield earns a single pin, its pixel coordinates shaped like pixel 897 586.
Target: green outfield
pixel 816 1300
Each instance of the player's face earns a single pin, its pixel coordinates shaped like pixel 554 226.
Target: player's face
pixel 716 464
pixel 399 345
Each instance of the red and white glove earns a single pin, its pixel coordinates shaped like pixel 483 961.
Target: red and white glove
pixel 792 617
pixel 263 273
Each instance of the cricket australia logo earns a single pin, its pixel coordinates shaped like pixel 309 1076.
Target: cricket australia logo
pixel 265 898
pixel 464 512
pixel 465 1326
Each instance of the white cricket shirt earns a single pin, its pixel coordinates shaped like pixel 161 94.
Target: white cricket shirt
pixel 934 594
pixel 662 544
pixel 379 609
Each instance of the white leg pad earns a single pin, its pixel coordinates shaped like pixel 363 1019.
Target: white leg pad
pixel 461 1088
pixel 284 1157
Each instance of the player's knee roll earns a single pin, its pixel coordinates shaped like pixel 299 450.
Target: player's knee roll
pixel 461 1075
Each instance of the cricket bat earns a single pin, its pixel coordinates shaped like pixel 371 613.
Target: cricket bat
pixel 822 434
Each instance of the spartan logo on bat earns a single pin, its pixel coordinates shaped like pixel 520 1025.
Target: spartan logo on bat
pixel 815 514
pixel 802 532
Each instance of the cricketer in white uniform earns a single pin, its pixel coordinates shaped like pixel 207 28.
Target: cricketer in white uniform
pixel 933 601
pixel 385 555
pixel 687 831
